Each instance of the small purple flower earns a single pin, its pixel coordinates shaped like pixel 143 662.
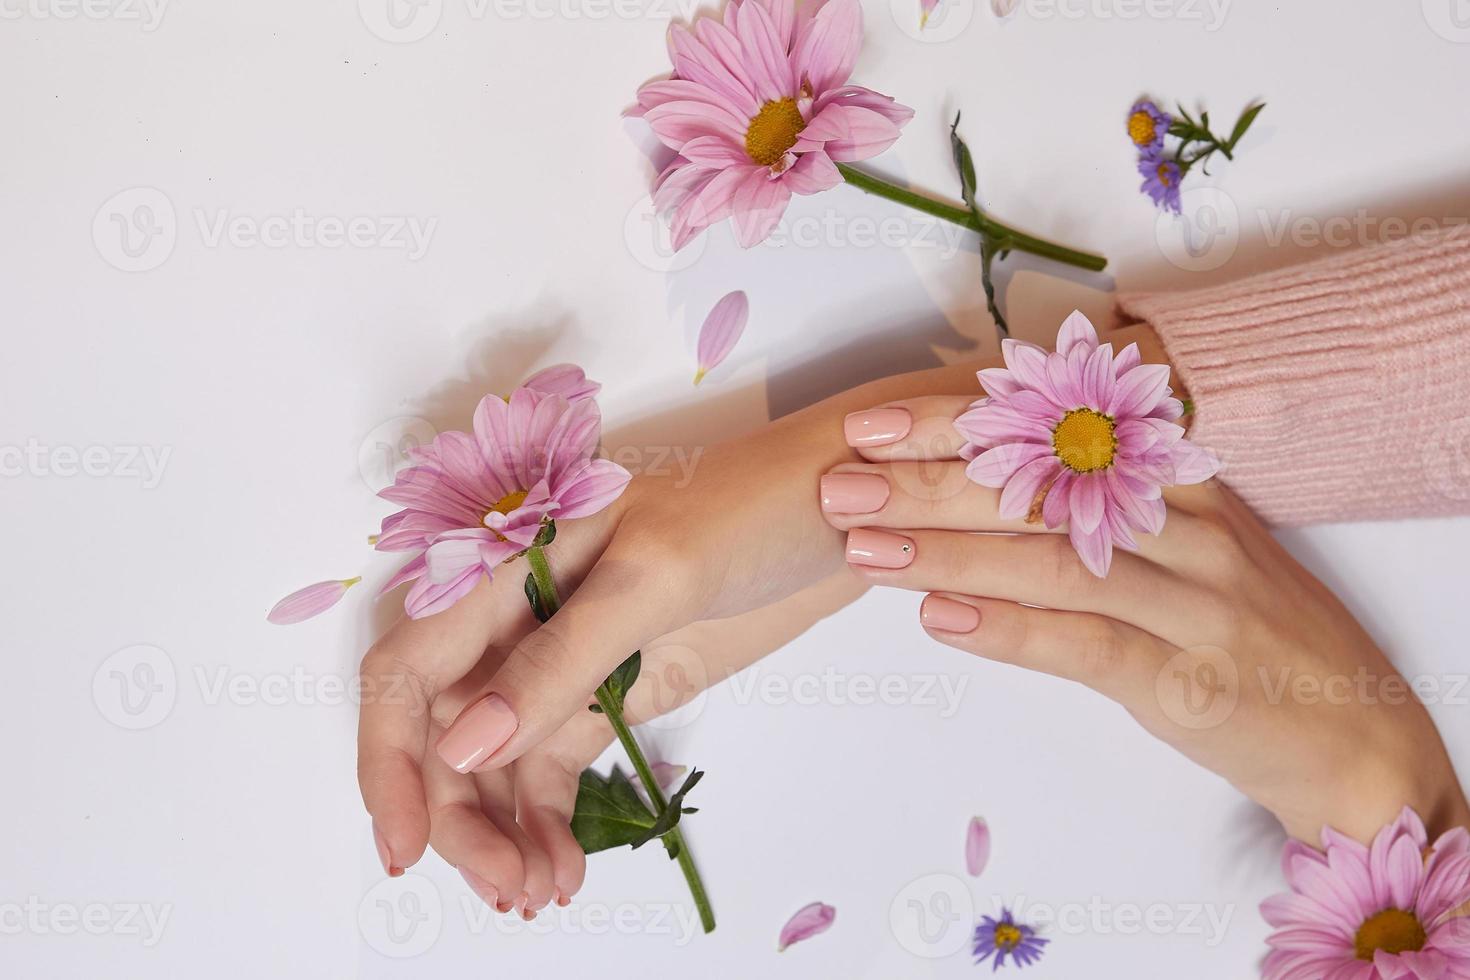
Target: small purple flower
pixel 1160 181
pixel 1148 125
pixel 1005 936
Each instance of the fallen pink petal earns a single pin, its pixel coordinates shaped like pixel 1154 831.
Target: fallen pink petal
pixel 977 846
pixel 810 921
pixel 926 7
pixel 303 604
pixel 721 332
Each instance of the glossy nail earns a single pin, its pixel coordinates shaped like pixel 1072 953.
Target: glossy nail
pixel 486 891
pixel 477 733
pixel 385 856
pixel 948 615
pixel 878 549
pixel 877 427
pixel 853 493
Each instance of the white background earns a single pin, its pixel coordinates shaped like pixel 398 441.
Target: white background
pixel 270 374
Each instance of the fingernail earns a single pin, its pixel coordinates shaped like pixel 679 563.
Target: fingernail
pixel 385 856
pixel 520 906
pixel 504 906
pixel 949 615
pixel 487 892
pixel 877 427
pixel 878 549
pixel 561 899
pixel 476 734
pixel 853 493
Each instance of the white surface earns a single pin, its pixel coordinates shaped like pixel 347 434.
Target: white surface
pixel 261 371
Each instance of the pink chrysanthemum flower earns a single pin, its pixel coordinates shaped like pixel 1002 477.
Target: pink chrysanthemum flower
pixel 1382 913
pixel 758 109
pixel 1081 437
pixel 473 502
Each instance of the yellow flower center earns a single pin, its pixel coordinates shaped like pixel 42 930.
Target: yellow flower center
pixel 1084 440
pixel 1393 931
pixel 773 131
pixel 507 503
pixel 1164 177
pixel 1141 128
pixel 1007 937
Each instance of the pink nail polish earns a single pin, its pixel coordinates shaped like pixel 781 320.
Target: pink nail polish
pixel 475 735
pixel 877 427
pixel 486 891
pixel 949 615
pixel 878 549
pixel 853 493
pixel 385 856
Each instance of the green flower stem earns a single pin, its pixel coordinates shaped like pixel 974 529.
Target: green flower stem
pixel 988 227
pixel 613 711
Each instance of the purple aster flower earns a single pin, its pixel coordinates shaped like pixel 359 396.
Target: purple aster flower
pixel 1005 936
pixel 1160 181
pixel 1147 126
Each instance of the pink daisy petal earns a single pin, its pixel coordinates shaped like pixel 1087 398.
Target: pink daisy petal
pixel 809 921
pixel 721 331
pixel 994 467
pixel 303 604
pixel 813 173
pixel 1095 549
pixel 1139 390
pixel 1088 499
pixel 1076 329
pixel 1021 490
pixel 998 382
pixel 977 846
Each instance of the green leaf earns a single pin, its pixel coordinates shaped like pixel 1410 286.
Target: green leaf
pixel 534 598
pixel 609 812
pixel 669 818
pixel 964 163
pixel 621 681
pixel 1242 124
pixel 546 535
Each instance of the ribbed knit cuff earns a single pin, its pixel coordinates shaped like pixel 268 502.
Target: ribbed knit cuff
pixel 1334 390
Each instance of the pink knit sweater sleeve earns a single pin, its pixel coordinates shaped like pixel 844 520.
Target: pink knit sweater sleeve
pixel 1335 390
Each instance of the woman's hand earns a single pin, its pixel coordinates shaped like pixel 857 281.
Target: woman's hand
pixel 1211 635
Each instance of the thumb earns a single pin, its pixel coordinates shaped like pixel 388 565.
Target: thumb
pixel 552 672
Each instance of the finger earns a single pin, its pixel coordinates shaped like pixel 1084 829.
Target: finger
pixel 1041 570
pixel 1115 659
pixel 940 496
pixel 626 600
pixel 546 782
pixel 400 677
pixel 468 838
pixel 499 804
pixel 919 428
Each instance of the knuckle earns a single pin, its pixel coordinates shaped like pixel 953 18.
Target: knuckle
pixel 1103 651
pixel 1061 571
